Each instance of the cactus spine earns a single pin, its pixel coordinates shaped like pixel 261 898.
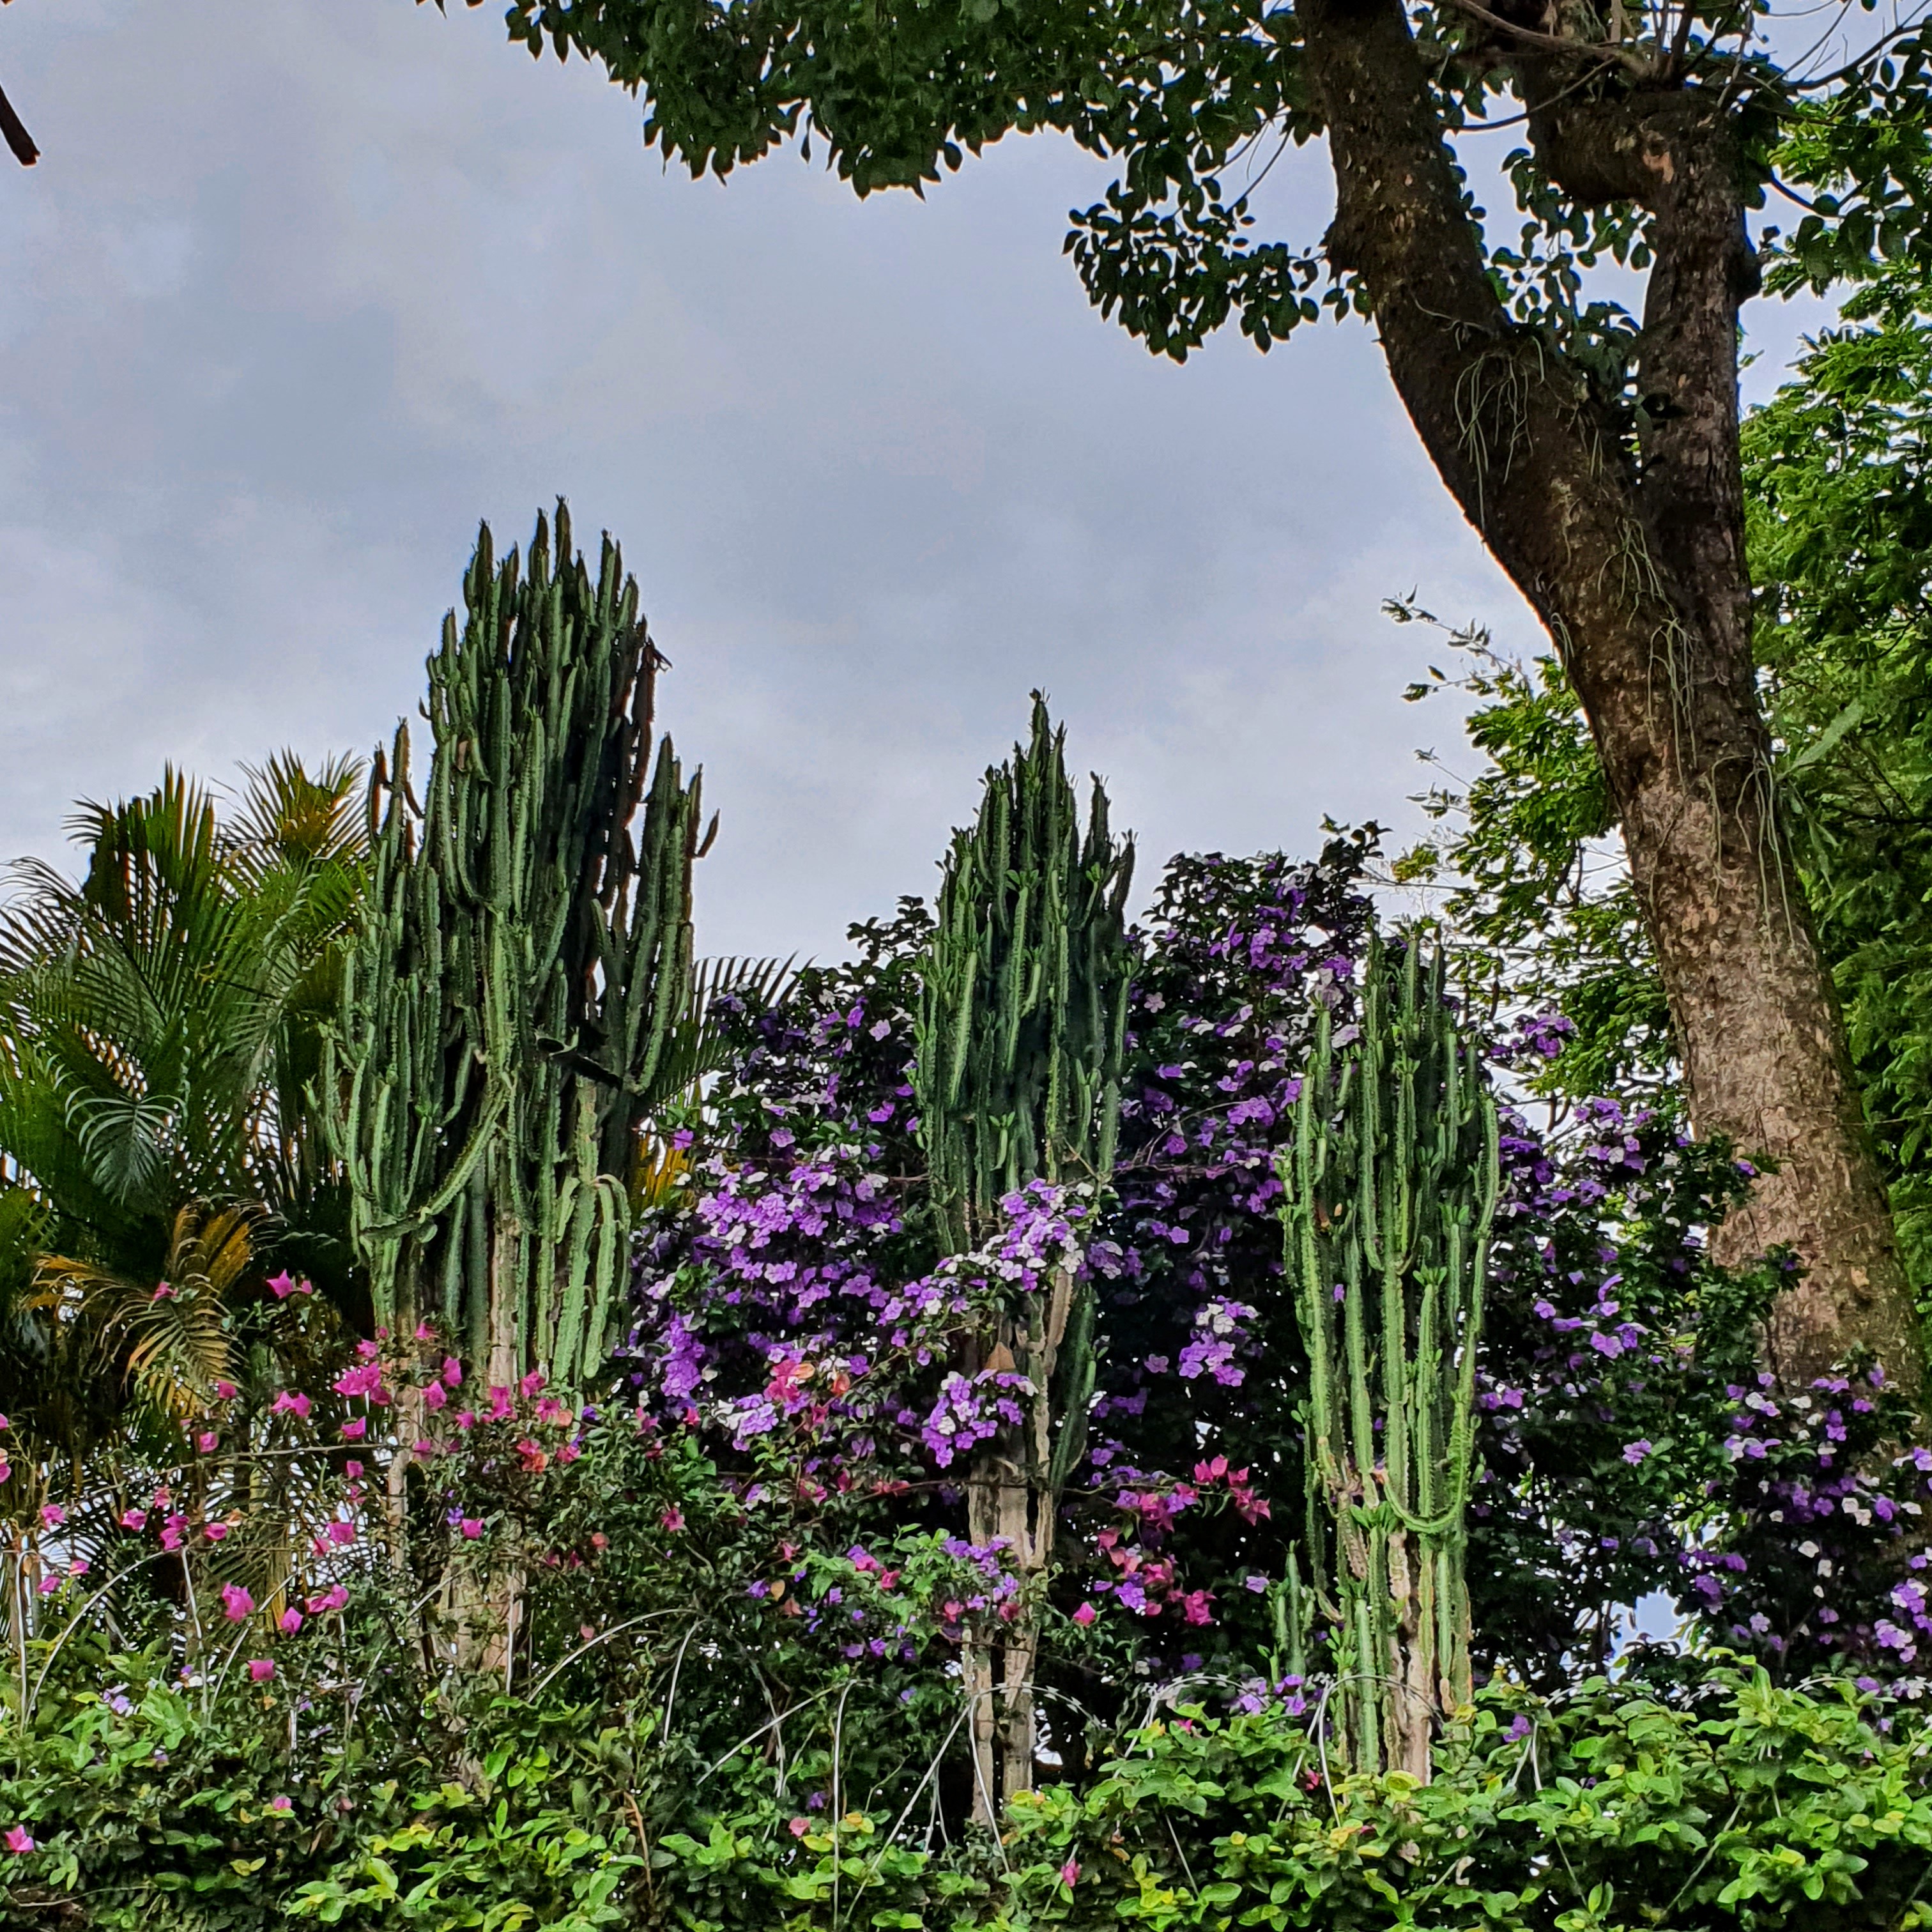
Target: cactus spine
pixel 1021 1025
pixel 1391 1185
pixel 513 1007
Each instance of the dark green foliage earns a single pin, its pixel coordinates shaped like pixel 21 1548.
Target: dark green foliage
pixel 1839 470
pixel 519 998
pixel 1023 1007
pixel 1391 1184
pixel 1537 893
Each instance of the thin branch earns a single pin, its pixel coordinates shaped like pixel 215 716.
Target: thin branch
pixel 17 137
pixel 1852 67
pixel 1608 51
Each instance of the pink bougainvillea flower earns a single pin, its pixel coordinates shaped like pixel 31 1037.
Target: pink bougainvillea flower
pixel 261 1669
pixel 355 1428
pixel 20 1840
pixel 531 1383
pixel 79 1567
pixel 6 1468
pixel 289 1622
pixel 341 1534
pixel 1070 1873
pixel 673 1518
pixel 206 1441
pixel 134 1519
pixel 435 1396
pixel 53 1516
pixel 288 1404
pixel 424 1333
pixel 351 1468
pixel 328 1600
pixel 1085 1614
pixel 236 1603
pixel 452 1372
pixel 280 1805
pixel 282 1286
pixel 4 1423
pixel 216 1532
pixel 164 1291
pixel 471 1526
pixel 48 1585
pixel 799 1827
pixel 224 1391
pixel 466 1418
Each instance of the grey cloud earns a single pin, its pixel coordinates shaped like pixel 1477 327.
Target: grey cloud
pixel 300 291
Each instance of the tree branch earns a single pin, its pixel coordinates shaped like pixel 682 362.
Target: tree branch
pixel 17 138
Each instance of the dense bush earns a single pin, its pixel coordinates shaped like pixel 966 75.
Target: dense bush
pixel 1725 1802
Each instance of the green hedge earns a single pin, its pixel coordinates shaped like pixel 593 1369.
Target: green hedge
pixel 1734 1804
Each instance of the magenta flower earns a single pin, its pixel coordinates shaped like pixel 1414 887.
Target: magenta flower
pixel 673 1518
pixel 282 1286
pixel 352 1469
pixel 206 1441
pixel 216 1532
pixel 471 1526
pixel 341 1534
pixel 286 1404
pixel 290 1622
pixel 435 1396
pixel 452 1372
pixel 1070 1873
pixel 356 1428
pixel 261 1669
pixel 1085 1614
pixel 20 1840
pixel 53 1516
pixel 280 1805
pixel 134 1519
pixel 236 1603
pixel 165 1292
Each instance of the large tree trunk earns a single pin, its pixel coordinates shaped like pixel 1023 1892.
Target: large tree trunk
pixel 1634 561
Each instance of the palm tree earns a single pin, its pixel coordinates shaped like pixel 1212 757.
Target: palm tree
pixel 161 1020
pixel 160 1026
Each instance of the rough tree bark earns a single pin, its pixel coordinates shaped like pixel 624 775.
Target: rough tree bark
pixel 1634 561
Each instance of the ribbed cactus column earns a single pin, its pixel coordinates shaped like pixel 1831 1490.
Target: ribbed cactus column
pixel 1391 1189
pixel 1022 1019
pixel 512 1005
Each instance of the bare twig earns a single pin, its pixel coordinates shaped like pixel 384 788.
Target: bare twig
pixel 16 136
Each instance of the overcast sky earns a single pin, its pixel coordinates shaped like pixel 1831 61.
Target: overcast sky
pixel 302 288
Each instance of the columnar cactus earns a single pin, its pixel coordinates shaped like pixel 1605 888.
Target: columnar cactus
pixel 1022 1022
pixel 516 999
pixel 1391 1184
pixel 1025 1004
